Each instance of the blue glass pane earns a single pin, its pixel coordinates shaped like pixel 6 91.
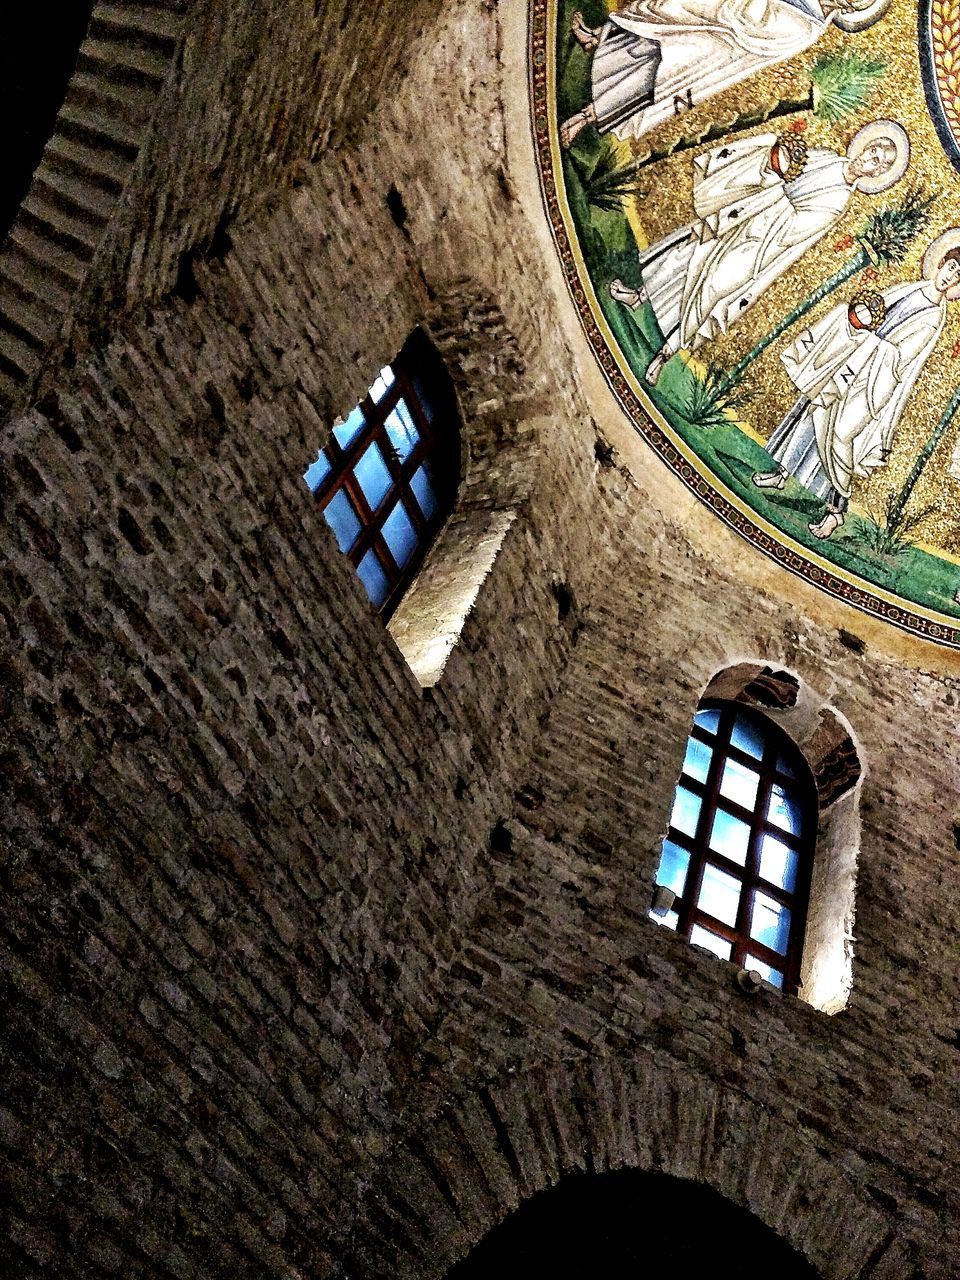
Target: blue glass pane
pixel 730 836
pixel 373 578
pixel 373 476
pixel 707 720
pixel 317 472
pixel 766 971
pixel 402 431
pixel 783 811
pixel 696 763
pixel 342 519
pixel 346 432
pixel 783 767
pixel 672 872
pixel 423 492
pixel 686 811
pixel 746 736
pixel 704 938
pixel 739 784
pixel 669 921
pixel 384 382
pixel 778 863
pixel 770 923
pixel 400 535
pixel 719 894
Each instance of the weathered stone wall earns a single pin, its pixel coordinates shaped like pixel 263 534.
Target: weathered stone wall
pixel 239 842
pixel 182 116
pixel 310 972
pixel 564 967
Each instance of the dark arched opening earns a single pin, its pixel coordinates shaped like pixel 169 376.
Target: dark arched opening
pixel 38 54
pixel 632 1224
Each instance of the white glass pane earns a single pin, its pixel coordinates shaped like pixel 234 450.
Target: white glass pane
pixel 707 720
pixel 783 811
pixel 373 578
pixel 423 491
pixel 747 737
pixel 704 938
pixel 739 784
pixel 730 836
pixel 400 535
pixel 686 812
pixel 696 763
pixel 770 923
pixel 766 971
pixel 672 872
pixel 373 477
pixel 402 431
pixel 669 921
pixel 346 432
pixel 342 519
pixel 317 472
pixel 778 863
pixel 719 894
pixel 384 382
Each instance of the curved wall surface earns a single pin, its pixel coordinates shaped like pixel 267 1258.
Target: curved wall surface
pixel 311 972
pixel 749 313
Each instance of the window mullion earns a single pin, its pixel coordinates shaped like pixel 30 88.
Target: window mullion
pixel 747 874
pixel 431 437
pixel 708 792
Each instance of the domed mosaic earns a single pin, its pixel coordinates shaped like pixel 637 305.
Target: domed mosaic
pixel 757 207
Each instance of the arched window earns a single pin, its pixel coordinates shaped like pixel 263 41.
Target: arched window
pixel 738 855
pixel 387 478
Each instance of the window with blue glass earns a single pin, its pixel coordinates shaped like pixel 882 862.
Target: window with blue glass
pixel 387 478
pixel 738 854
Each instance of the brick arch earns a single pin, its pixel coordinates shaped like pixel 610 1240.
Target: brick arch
pixel 86 165
pixel 826 742
pixel 474 1160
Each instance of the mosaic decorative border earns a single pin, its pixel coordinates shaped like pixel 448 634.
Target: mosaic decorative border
pixel 853 592
pixel 938 32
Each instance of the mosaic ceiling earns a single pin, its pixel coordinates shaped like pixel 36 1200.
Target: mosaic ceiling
pixel 757 208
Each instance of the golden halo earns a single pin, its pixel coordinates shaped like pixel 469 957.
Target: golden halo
pixel 870 133
pixel 945 241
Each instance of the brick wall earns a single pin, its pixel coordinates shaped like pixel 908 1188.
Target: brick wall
pixel 310 971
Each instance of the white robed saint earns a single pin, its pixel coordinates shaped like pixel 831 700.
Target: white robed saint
pixel 855 379
pixel 655 59
pixel 754 221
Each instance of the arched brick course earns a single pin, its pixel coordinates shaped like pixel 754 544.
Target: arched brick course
pixel 472 1162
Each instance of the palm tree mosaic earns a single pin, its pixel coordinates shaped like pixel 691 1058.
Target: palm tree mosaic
pixel 711 183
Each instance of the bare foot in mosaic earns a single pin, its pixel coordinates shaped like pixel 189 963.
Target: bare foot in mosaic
pixel 631 298
pixel 571 129
pixel 828 526
pixel 655 367
pixel 770 479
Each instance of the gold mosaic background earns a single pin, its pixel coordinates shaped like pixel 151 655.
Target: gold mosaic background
pixel 900 97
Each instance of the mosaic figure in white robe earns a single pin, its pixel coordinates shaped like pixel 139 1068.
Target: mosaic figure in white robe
pixel 761 204
pixel 855 369
pixel 656 59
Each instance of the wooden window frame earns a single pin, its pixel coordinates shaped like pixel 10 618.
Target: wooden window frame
pixel 438 429
pixel 802 791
